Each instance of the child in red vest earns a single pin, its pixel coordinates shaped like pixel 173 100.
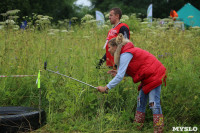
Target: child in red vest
pixel 143 67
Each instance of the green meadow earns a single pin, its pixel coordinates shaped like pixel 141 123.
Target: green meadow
pixel 74 107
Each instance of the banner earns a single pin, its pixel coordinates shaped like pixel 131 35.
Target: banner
pixel 99 18
pixel 150 13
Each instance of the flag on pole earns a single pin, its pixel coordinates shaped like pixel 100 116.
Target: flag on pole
pixel 38 79
pixel 150 13
pixel 99 18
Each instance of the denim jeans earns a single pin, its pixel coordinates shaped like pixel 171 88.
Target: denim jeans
pixel 154 101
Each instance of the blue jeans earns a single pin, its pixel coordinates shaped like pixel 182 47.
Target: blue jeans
pixel 154 101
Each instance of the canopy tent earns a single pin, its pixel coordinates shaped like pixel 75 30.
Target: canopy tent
pixel 189 15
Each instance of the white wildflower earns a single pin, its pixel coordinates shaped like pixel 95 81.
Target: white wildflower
pixel 64 31
pixel 107 15
pixel 56 30
pixel 12 12
pixel 2 23
pixel 3 14
pixel 51 33
pixel 87 37
pixel 9 21
pixel 133 14
pixel 86 18
pixel 144 22
pixel 39 16
pixel 15 28
pixel 44 19
pixel 74 18
pixel 122 20
pixel 45 16
pixel 105 26
pixel 1 27
pixel 125 17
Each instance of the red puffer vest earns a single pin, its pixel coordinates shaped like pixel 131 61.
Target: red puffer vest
pixel 111 34
pixel 144 67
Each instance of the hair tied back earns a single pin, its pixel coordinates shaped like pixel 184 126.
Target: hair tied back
pixel 119 38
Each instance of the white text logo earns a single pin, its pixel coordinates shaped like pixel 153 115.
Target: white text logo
pixel 194 129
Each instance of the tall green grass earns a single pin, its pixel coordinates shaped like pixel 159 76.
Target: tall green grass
pixel 75 107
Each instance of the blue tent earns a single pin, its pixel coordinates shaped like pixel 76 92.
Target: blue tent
pixel 189 15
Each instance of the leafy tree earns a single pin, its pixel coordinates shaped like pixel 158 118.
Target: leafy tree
pixel 161 8
pixel 58 9
pixel 62 9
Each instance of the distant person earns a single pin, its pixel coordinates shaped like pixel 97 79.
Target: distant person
pixel 173 14
pixel 114 16
pixel 143 67
pixel 23 25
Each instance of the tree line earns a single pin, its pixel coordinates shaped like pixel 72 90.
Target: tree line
pixel 161 8
pixel 62 9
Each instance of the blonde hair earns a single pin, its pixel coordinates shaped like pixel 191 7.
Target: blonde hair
pixel 118 41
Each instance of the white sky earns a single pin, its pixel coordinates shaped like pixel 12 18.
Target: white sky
pixel 83 2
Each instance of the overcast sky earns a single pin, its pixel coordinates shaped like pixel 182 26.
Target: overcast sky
pixel 83 2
